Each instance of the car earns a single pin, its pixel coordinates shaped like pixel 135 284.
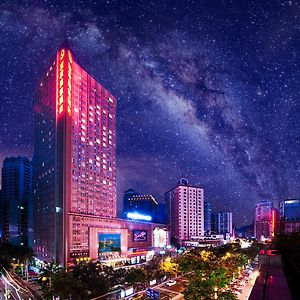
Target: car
pixel 171 282
pixel 32 273
pixel 137 297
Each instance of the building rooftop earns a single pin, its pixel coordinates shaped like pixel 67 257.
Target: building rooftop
pixel 271 284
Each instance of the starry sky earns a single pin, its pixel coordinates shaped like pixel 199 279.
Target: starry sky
pixel 207 89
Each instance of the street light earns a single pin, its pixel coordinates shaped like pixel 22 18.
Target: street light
pixel 216 292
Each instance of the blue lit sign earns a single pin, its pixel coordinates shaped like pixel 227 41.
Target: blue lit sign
pixel 152 294
pixel 137 216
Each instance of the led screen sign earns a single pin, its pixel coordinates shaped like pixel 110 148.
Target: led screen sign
pixel 160 237
pixel 138 216
pixel 139 235
pixel 109 242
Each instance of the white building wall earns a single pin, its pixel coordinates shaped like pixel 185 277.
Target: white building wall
pixel 190 204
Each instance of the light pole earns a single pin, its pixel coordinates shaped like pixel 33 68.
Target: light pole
pixel 216 292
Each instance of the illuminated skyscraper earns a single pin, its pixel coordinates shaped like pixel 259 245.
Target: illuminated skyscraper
pixel 224 223
pixel 264 222
pixel 290 215
pixel 185 204
pixel 142 204
pixel 74 159
pixel 207 217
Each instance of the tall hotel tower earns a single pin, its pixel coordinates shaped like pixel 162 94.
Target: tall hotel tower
pixel 74 159
pixel 185 206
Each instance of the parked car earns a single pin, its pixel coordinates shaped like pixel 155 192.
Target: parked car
pixel 171 282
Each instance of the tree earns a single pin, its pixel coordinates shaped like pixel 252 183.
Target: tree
pixel 97 278
pixel 169 266
pixel 65 285
pixel 227 295
pixel 46 278
pixel 135 275
pixel 11 254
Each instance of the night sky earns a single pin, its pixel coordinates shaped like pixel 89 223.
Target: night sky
pixel 208 89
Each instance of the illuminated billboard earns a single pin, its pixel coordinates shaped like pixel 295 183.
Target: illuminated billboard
pixel 109 242
pixel 139 235
pixel 138 216
pixel 160 237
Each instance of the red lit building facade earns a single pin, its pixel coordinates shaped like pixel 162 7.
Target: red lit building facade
pixel 265 220
pixel 74 168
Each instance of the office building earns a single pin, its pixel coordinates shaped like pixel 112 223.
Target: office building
pixel 207 218
pixel 290 215
pixel 126 196
pixel 135 203
pixel 16 200
pixel 147 205
pixel 224 223
pixel 185 204
pixel 160 213
pixel 74 159
pixel 264 221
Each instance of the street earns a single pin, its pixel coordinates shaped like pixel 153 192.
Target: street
pixel 15 288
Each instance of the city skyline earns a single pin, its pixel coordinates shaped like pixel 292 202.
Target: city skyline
pixel 193 98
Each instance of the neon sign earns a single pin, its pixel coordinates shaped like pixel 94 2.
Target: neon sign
pixel 137 216
pixel 273 223
pixel 64 84
pixel 69 82
pixel 61 82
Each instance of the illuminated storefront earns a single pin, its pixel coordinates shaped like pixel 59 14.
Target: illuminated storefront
pixel 118 240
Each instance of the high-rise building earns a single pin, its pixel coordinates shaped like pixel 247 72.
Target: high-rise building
pixel 224 223
pixel 290 215
pixel 74 159
pixel 207 218
pixel 126 196
pixel 185 204
pixel 16 200
pixel 144 205
pixel 264 222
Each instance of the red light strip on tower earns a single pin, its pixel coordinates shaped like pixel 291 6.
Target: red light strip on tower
pixel 69 82
pixel 273 222
pixel 60 104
